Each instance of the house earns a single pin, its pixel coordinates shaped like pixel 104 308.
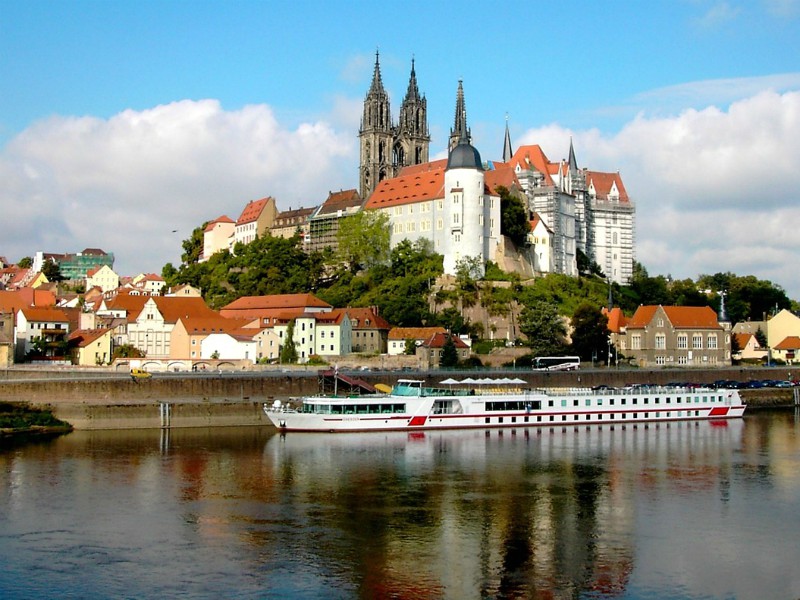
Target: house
pixel 370 331
pixel 246 343
pixel 151 330
pixel 257 218
pixel 6 339
pixel 266 309
pixel 323 224
pixel 540 238
pixel 75 266
pixel 319 333
pixel 190 331
pixel 788 350
pixel 184 290
pixel 217 236
pixel 431 350
pixel 781 326
pixel 102 277
pixel 91 347
pixel 686 336
pixel 41 330
pixel 399 336
pixel 749 348
pixel 149 283
pixel 291 222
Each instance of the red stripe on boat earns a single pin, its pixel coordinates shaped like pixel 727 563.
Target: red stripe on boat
pixel 719 411
pixel 418 421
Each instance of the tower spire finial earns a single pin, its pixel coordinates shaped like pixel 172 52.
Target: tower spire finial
pixel 507 151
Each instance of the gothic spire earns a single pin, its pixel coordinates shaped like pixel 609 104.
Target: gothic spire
pixel 573 164
pixel 460 130
pixel 507 152
pixel 412 95
pixel 377 83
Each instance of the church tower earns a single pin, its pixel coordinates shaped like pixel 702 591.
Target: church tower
pixel 385 147
pixel 468 219
pixel 412 138
pixel 460 124
pixel 375 135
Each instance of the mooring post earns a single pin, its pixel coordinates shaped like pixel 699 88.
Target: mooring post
pixel 165 414
pixel 796 393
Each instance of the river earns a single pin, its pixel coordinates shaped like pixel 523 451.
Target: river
pixel 686 510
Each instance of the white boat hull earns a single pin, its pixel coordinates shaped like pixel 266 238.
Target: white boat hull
pixel 578 407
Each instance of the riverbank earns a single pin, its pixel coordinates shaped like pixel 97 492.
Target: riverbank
pixel 236 399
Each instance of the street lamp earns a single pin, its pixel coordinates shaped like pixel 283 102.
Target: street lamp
pixel 609 352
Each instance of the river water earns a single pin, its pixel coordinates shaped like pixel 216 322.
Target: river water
pixel 690 510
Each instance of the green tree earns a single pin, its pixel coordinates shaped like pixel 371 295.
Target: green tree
pixel 363 239
pixel 52 271
pixel 289 350
pixel 449 356
pixel 25 262
pixel 586 266
pixel 544 329
pixel 127 351
pixel 410 347
pixel 514 222
pixel 761 338
pixel 589 332
pixel 193 247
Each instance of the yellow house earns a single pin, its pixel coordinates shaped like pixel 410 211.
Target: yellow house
pixel 102 277
pixel 91 347
pixel 38 280
pixel 781 326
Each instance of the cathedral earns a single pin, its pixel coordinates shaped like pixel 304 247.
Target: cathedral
pixel 455 203
pixel 387 147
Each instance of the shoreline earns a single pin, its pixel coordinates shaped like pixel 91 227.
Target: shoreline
pixel 236 399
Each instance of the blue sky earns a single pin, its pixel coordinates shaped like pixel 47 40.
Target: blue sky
pixel 120 121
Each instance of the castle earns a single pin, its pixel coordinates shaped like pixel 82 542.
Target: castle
pixel 455 203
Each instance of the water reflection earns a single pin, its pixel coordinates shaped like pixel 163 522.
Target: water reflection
pixel 681 510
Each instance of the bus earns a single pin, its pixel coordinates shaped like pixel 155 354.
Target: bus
pixel 556 363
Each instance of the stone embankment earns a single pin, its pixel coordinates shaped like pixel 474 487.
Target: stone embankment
pixel 113 401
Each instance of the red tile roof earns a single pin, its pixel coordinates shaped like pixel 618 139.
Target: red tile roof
pixel 414 333
pixel 616 319
pixel 277 301
pixel 83 337
pixel 533 157
pixel 414 184
pixel 222 219
pixel 438 340
pixel 603 183
pixel 681 317
pixel 365 318
pixel 252 211
pixel 742 339
pixel 45 314
pixel 341 200
pixel 791 342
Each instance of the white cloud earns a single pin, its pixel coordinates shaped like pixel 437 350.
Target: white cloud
pixel 715 189
pixel 720 12
pixel 123 184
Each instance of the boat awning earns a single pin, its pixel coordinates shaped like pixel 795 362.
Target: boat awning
pixel 332 381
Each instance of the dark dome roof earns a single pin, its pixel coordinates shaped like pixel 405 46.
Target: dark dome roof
pixel 464 156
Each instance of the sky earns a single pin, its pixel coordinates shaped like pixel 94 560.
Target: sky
pixel 126 124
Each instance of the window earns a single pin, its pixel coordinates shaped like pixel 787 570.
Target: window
pixel 636 341
pixel 683 341
pixel 660 323
pixel 697 341
pixel 711 341
pixel 661 341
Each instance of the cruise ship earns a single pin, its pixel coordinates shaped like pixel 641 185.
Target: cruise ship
pixel 499 403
